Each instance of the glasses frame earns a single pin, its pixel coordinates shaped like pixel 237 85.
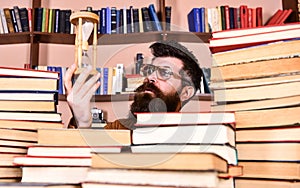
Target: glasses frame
pixel 156 68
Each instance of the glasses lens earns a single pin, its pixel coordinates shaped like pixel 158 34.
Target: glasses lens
pixel 147 69
pixel 164 73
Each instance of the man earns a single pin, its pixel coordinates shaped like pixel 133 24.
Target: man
pixel 171 80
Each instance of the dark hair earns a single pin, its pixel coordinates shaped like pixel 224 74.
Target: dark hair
pixel 172 48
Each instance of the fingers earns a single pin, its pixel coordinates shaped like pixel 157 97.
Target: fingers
pixel 68 78
pixel 81 79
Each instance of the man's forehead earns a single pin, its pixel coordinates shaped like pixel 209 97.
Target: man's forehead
pixel 172 62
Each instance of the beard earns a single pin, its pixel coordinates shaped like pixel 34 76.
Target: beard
pixel 155 101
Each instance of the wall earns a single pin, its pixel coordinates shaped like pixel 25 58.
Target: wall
pixel 63 55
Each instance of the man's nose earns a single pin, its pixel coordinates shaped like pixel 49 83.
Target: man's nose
pixel 152 77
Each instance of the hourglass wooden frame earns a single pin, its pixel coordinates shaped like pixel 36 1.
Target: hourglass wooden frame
pixel 78 19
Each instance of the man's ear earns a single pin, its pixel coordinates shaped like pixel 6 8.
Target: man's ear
pixel 186 93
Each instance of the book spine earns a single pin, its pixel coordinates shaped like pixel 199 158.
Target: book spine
pixel 30 19
pixel 194 20
pixel 56 21
pixel 154 18
pixel 108 20
pixel 4 22
pixel 259 16
pixel 68 13
pixel 168 11
pixel 129 20
pixel 103 21
pixel 24 19
pixel 136 21
pixel 14 20
pixel 18 19
pixel 38 19
pixel 202 19
pixel 62 21
pixel 113 11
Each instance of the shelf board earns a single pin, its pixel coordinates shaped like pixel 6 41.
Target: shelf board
pixel 15 38
pixel 129 38
pixel 129 97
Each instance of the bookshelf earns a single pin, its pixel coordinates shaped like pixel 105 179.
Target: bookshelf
pixel 39 48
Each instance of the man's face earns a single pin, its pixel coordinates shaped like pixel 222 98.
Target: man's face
pixel 159 95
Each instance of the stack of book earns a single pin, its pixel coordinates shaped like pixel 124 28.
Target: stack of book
pixel 261 84
pixel 63 156
pixel 172 149
pixel 27 103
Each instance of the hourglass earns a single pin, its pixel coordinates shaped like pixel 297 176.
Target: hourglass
pixel 85 22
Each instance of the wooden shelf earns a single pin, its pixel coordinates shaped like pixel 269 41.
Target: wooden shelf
pixel 129 97
pixel 15 38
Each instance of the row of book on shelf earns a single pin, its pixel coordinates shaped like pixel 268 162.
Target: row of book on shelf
pixel 114 79
pixel 259 81
pixel 185 149
pixel 225 17
pixel 111 20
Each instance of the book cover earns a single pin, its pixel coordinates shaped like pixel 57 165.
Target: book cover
pixel 38 16
pixel 171 118
pixel 113 20
pixel 24 19
pixel 154 18
pixel 224 44
pixel 18 18
pixel 147 20
pixel 84 137
pixel 21 72
pixel 4 22
pixel 184 134
pixel 14 20
pixel 194 20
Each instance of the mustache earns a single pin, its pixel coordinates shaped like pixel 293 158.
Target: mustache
pixel 148 86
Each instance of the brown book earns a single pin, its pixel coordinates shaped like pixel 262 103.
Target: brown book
pixel 84 137
pixel 286 89
pixel 263 183
pixel 160 161
pixel 31 116
pixel 257 69
pixel 271 169
pixel 27 84
pixel 45 161
pixel 278 134
pixel 27 106
pixel 272 151
pixel 9 20
pixel 258 104
pixel 29 125
pixel 10 172
pixel 7 159
pixel 15 143
pixel 267 117
pixel 19 135
pixel 11 149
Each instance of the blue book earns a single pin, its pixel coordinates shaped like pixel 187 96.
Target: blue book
pixel 108 20
pixel 194 20
pixel 129 19
pixel 154 18
pixel 103 21
pixel 202 19
pixel 105 80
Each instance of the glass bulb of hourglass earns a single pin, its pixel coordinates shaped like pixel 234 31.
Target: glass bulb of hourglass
pixel 86 61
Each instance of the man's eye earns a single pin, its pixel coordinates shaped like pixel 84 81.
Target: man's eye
pixel 165 72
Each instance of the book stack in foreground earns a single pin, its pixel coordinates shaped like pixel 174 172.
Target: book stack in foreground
pixel 27 102
pixel 63 156
pixel 172 150
pixel 261 84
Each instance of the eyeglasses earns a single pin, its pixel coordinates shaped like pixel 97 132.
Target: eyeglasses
pixel 162 72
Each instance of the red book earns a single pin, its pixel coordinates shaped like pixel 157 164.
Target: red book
pixel 259 16
pixel 230 43
pixel 285 14
pixel 250 17
pixel 272 20
pixel 244 16
pixel 227 17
